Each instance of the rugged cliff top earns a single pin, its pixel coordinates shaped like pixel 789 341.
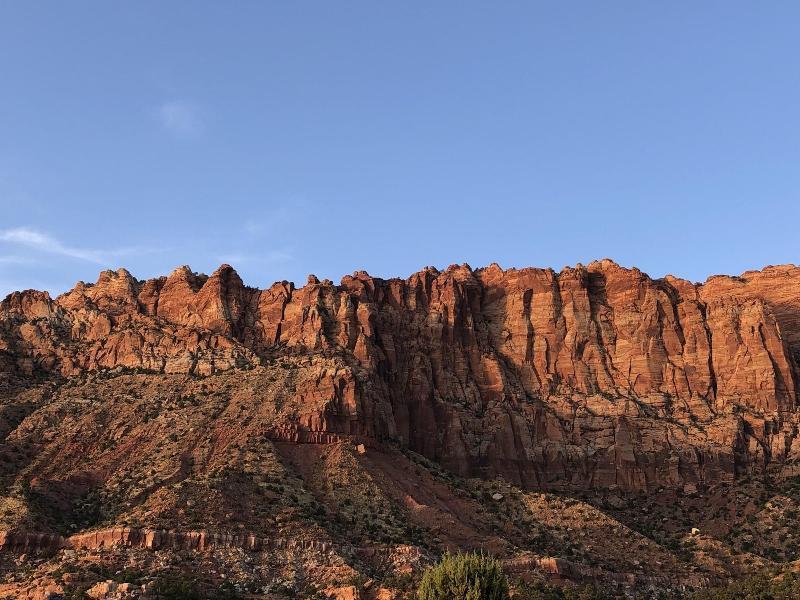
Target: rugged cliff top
pixel 372 424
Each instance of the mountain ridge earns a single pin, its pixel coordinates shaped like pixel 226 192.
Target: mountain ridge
pixel 484 336
pixel 454 409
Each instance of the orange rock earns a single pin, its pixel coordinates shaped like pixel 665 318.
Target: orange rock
pixel 577 377
pixel 348 592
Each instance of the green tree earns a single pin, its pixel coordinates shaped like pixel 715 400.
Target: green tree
pixel 469 576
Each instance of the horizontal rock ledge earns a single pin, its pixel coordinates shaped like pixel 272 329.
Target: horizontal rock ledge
pixel 149 539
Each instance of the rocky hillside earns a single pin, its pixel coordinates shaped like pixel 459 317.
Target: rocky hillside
pixel 375 422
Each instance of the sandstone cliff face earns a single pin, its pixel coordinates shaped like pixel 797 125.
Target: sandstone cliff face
pixel 151 539
pixel 594 376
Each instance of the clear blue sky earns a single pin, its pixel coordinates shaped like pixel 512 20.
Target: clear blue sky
pixel 289 138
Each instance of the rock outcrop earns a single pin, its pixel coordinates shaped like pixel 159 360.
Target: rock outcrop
pixel 22 542
pixel 594 376
pixel 148 539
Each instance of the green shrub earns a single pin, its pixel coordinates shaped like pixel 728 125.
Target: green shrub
pixel 757 587
pixel 175 587
pixel 542 591
pixel 464 577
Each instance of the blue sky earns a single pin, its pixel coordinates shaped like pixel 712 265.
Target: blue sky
pixel 327 137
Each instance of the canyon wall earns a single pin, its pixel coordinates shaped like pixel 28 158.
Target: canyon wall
pixel 596 375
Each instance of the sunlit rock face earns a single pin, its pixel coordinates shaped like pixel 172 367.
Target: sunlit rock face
pixel 594 376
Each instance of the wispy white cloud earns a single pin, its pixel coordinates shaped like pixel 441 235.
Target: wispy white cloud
pixel 253 227
pixel 12 259
pixel 14 284
pixel 31 238
pixel 43 242
pixel 285 213
pixel 180 118
pixel 270 257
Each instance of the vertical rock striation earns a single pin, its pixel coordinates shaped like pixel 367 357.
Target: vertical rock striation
pixel 594 376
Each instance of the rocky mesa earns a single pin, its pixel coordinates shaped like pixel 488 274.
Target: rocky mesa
pixel 591 377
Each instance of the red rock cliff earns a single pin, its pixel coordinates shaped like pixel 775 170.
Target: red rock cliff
pixel 596 375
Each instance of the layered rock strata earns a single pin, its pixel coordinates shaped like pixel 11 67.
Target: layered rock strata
pixel 149 539
pixel 594 376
